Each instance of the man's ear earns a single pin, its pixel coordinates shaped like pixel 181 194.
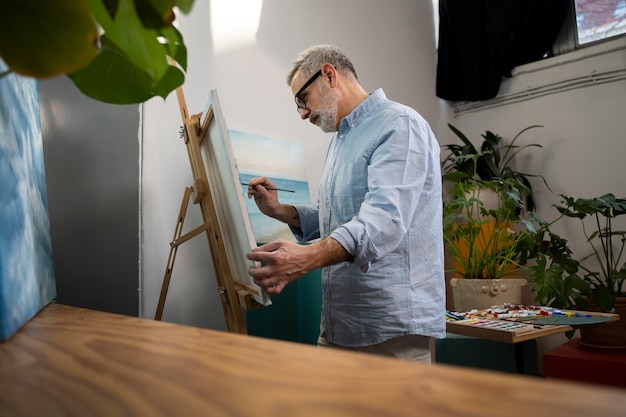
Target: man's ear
pixel 330 73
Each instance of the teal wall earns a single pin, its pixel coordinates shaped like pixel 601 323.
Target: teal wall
pixel 294 314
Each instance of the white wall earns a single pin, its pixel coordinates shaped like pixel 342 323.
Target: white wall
pixel 392 45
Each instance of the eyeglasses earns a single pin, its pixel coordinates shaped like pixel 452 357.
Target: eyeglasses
pixel 300 101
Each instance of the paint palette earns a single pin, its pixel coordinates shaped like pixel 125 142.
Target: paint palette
pixel 501 325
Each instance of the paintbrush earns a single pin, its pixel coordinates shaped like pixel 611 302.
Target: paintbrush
pixel 270 188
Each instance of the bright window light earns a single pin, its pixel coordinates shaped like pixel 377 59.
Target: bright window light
pixel 234 23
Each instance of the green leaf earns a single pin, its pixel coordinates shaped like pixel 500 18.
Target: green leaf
pixel 173 42
pixel 133 65
pixel 127 32
pixel 113 78
pixel 155 14
pixel 173 78
pixel 184 5
pixel 47 38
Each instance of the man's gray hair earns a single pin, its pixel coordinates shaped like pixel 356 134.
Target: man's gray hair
pixel 311 60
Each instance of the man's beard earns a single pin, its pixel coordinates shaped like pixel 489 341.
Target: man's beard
pixel 326 116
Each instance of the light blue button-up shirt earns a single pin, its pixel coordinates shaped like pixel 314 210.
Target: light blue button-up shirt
pixel 380 198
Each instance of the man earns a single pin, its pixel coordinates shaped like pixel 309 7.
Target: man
pixel 378 216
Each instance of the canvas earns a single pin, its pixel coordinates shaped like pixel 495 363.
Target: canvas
pixel 222 177
pixel 27 281
pixel 283 163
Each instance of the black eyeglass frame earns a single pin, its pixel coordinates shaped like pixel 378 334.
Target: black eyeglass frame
pixel 299 101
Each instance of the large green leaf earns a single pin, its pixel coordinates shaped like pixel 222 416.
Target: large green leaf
pixel 113 78
pixel 126 31
pixel 133 65
pixel 47 38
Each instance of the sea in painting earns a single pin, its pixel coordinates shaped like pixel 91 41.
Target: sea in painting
pixel 280 161
pixel 27 282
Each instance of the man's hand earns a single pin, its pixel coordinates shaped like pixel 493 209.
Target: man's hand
pixel 265 196
pixel 284 261
pixel 266 200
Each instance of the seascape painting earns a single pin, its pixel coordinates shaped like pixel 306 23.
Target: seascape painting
pixel 27 281
pixel 280 161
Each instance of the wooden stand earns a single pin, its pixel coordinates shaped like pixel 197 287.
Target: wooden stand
pixel 234 294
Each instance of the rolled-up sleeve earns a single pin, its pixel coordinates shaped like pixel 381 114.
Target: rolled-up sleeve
pixel 309 223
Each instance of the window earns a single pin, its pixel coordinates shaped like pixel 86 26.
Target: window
pixel 591 21
pixel 600 19
pixel 509 42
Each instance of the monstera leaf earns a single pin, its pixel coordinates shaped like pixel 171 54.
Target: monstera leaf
pixel 116 51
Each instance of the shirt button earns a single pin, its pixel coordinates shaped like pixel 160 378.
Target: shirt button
pixel 341 136
pixel 352 125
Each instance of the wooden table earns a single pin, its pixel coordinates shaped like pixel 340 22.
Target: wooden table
pixel 503 336
pixel 69 361
pixel 458 327
pixel 461 327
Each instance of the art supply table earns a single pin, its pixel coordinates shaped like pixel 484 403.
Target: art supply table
pixel 70 361
pixel 485 325
pixel 529 327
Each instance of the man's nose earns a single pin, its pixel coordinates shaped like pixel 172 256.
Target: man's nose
pixel 304 113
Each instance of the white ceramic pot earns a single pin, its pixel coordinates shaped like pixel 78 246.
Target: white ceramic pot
pixel 468 294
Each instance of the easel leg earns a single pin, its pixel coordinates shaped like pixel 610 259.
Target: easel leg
pixel 173 250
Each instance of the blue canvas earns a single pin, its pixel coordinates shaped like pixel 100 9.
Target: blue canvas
pixel 282 162
pixel 26 271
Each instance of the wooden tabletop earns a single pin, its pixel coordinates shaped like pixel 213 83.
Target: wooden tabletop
pixel 504 336
pixel 466 329
pixel 69 361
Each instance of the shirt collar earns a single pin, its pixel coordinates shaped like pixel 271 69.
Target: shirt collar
pixel 361 111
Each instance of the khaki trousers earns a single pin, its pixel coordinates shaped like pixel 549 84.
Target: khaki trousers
pixel 412 348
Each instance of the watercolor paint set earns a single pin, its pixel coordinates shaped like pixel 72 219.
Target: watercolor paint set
pixel 501 325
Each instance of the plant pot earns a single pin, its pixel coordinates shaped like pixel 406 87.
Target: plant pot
pixel 468 294
pixel 606 337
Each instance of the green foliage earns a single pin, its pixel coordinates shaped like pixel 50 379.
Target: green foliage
pixel 492 161
pixel 485 242
pixel 116 51
pixel 562 281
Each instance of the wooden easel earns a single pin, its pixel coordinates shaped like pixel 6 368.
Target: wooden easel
pixel 233 294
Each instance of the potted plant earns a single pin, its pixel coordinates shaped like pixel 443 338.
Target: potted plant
pixel 484 238
pixel 492 161
pixel 592 282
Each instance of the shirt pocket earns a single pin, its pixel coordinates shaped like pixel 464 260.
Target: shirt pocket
pixel 349 189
